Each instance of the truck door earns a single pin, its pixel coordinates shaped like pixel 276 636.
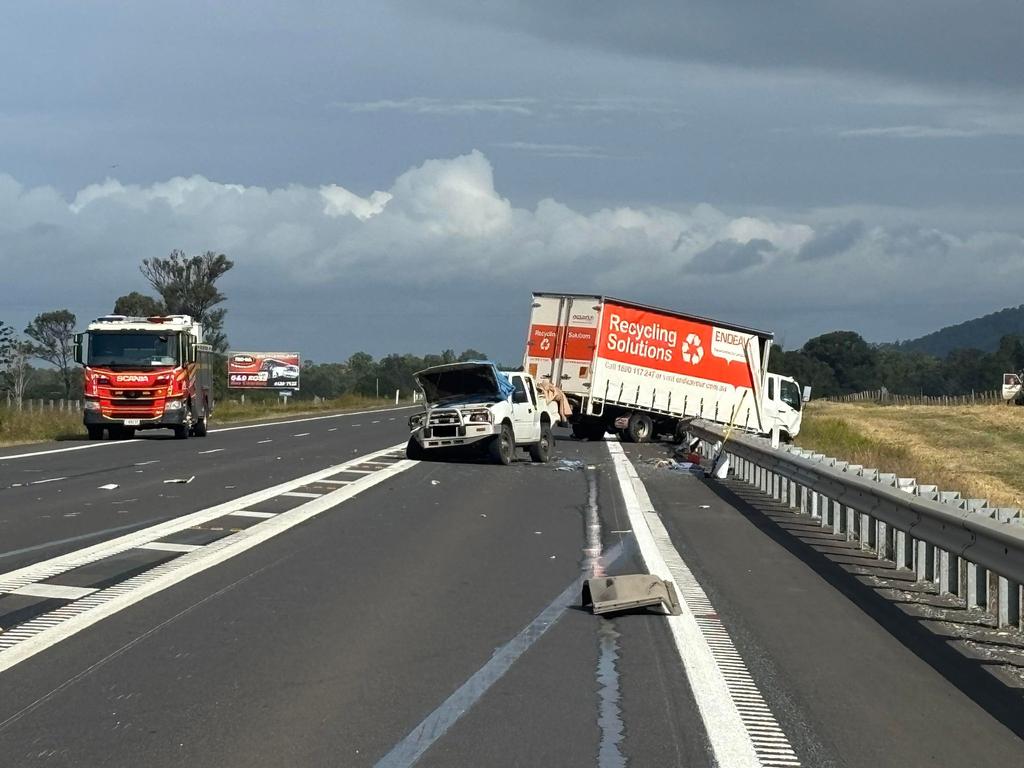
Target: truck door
pixel 525 418
pixel 783 404
pixel 563 336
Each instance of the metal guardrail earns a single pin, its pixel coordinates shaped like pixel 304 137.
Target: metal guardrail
pixel 970 550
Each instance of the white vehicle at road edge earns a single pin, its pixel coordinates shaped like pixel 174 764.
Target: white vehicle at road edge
pixel 475 405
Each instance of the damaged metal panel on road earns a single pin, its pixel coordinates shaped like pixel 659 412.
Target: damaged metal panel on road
pixel 622 593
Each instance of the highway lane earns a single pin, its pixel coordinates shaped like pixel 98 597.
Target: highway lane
pixel 391 625
pixel 52 499
pixel 329 644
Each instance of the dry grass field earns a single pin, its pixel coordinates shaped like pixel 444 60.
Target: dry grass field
pixel 976 450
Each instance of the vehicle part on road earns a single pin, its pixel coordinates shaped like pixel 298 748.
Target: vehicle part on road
pixel 610 594
pixel 569 465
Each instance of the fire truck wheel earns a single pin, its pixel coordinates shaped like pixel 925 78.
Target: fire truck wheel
pixel 199 428
pixel 95 432
pixel 182 432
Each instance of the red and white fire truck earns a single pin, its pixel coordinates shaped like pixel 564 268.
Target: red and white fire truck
pixel 145 373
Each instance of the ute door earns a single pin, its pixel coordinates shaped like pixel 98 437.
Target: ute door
pixel 1012 385
pixel 525 418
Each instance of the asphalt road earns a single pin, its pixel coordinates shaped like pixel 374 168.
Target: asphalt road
pixel 428 612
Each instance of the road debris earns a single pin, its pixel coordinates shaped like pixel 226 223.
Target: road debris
pixel 568 465
pixel 108 487
pixel 181 480
pixel 435 482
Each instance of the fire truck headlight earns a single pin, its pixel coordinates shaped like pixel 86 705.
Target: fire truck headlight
pixel 173 405
pixel 92 405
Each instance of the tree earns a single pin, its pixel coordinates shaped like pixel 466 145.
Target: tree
pixel 188 286
pixel 16 373
pixel 6 344
pixel 52 340
pixel 137 304
pixel 853 360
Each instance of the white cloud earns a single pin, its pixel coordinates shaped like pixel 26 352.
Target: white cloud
pixel 443 239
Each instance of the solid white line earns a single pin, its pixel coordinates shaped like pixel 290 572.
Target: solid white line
pixel 167 546
pixel 48 480
pixel 250 513
pixel 261 425
pixel 302 494
pixel 727 735
pixel 53 590
pixel 190 564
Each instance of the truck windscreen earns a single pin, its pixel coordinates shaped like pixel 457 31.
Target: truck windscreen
pixel 133 349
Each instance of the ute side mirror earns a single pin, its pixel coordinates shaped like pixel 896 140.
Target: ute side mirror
pixel 807 394
pixel 79 357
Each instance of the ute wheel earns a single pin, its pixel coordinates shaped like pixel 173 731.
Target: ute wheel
pixel 503 445
pixel 199 427
pixel 413 450
pixel 540 451
pixel 640 428
pixel 95 432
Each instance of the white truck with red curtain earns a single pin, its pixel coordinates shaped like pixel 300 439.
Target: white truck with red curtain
pixel 640 371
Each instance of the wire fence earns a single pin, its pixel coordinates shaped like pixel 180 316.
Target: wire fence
pixel 885 397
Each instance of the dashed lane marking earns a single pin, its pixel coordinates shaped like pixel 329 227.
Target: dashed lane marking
pixel 302 434
pixel 212 450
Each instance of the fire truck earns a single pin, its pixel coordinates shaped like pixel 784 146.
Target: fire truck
pixel 145 373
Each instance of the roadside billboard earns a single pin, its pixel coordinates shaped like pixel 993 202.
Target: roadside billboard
pixel 263 370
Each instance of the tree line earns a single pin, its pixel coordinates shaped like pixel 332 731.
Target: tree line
pixel 842 362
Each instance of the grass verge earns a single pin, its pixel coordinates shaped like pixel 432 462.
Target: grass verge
pixel 976 450
pixel 20 427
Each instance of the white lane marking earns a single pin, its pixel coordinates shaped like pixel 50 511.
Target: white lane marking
pixel 108 487
pixel 302 434
pixel 698 633
pixel 212 450
pixel 53 590
pixel 375 422
pixel 302 494
pixel 333 429
pixel 261 425
pixel 48 480
pixel 261 442
pixel 251 513
pixel 360 471
pixel 410 749
pixel 144 463
pixel 55 565
pixel 94 608
pixel 335 482
pixel 167 546
pixel 355 425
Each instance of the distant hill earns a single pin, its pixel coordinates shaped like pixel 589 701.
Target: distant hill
pixel 981 333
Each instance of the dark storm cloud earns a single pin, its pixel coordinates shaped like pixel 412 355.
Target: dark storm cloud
pixel 832 241
pixel 928 41
pixel 732 256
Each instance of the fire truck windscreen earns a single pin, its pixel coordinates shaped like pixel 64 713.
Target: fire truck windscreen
pixel 133 348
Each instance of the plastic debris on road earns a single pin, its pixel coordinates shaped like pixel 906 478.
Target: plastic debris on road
pixel 435 482
pixel 184 480
pixel 108 487
pixel 568 465
pixel 687 467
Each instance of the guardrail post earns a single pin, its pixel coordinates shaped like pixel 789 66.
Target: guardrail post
pixel 838 517
pixel 866 531
pixel 903 541
pixel 851 522
pixel 884 545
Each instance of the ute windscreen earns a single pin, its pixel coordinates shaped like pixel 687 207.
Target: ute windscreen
pixel 139 348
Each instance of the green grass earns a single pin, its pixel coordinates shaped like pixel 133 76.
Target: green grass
pixel 839 438
pixel 18 427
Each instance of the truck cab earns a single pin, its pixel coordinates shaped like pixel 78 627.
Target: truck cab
pixel 475 406
pixel 783 405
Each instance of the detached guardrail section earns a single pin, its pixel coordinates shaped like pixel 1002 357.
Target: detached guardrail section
pixel 968 549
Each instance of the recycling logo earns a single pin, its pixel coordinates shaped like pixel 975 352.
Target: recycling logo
pixel 693 351
pixel 545 344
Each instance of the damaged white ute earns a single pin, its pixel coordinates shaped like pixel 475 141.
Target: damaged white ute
pixel 475 405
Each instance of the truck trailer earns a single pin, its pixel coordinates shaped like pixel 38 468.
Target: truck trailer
pixel 639 370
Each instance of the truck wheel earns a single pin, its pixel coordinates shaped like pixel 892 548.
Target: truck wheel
pixel 95 432
pixel 640 428
pixel 199 428
pixel 588 430
pixel 540 451
pixel 503 445
pixel 413 450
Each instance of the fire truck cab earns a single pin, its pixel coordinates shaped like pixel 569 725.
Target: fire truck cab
pixel 145 373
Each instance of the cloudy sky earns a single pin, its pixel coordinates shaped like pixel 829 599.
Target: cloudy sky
pixel 398 175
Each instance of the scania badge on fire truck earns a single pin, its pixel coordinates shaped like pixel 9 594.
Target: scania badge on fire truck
pixel 145 373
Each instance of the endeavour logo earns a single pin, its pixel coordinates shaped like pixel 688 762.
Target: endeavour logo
pixel 692 350
pixel 133 378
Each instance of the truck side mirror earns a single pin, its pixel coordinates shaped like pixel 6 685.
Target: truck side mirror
pixel 807 394
pixel 79 357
